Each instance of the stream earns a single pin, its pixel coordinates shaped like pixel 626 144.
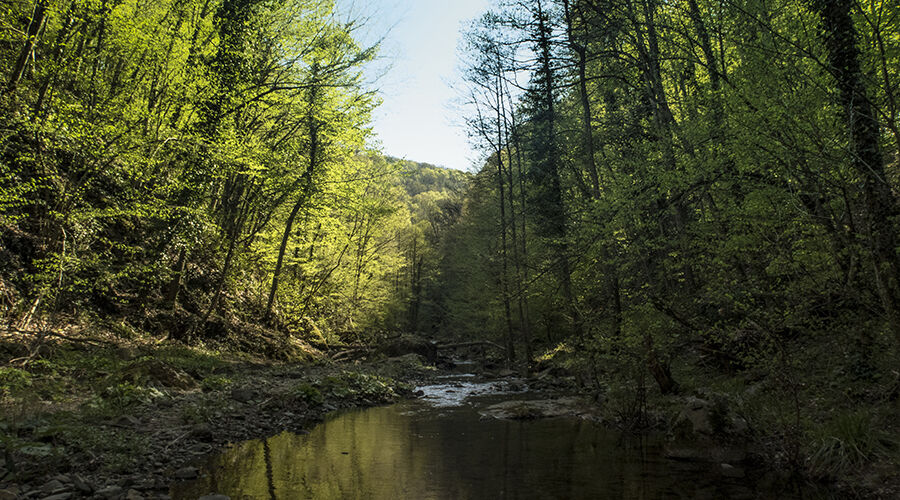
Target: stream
pixel 448 444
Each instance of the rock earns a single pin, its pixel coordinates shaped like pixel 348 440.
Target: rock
pixel 81 485
pixel 686 454
pixel 109 492
pixel 63 478
pixel 215 496
pixel 695 417
pixel 243 395
pixel 506 372
pixel 698 452
pixel 52 486
pixel 729 470
pixel 133 495
pixel 158 372
pixel 127 353
pixel 411 344
pixel 128 421
pixel 187 473
pixel 202 432
pixel 739 425
pixel 412 359
pixel 9 494
pixel 728 454
pixel 523 410
pixel 60 496
pixel 517 386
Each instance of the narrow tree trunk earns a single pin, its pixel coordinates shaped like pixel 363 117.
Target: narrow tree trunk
pixel 557 216
pixel 587 138
pixel 31 34
pixel 513 135
pixel 174 287
pixel 306 190
pixel 504 276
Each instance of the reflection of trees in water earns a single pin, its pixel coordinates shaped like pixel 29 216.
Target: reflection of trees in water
pixel 382 453
pixel 270 480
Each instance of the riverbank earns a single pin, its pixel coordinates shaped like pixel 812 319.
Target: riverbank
pixel 98 418
pixel 101 417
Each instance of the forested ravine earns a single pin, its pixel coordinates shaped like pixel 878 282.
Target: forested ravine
pixel 684 213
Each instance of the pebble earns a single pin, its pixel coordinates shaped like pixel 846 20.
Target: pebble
pixel 128 421
pixel 243 395
pixel 52 486
pixel 60 496
pixel 133 495
pixel 186 473
pixel 109 493
pixel 82 485
pixel 729 470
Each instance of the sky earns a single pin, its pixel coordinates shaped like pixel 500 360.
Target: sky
pixel 418 119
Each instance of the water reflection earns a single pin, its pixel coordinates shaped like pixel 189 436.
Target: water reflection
pixel 408 451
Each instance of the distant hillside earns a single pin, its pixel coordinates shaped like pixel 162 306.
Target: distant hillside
pixel 421 177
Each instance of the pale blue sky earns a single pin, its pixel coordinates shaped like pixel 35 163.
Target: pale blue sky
pixel 418 120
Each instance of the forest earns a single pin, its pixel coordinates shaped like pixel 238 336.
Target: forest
pixel 689 199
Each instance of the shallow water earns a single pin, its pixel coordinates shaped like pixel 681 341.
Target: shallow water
pixel 441 448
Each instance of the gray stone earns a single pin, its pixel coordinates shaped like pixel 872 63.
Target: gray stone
pixel 686 454
pixel 522 410
pixel 729 470
pixel 60 496
pixel 695 416
pixel 52 486
pixel 243 395
pixel 202 432
pixel 215 496
pixel 82 485
pixel 517 386
pixel 407 344
pixel 109 492
pixel 9 494
pixel 187 473
pixel 128 421
pixel 411 359
pixel 133 495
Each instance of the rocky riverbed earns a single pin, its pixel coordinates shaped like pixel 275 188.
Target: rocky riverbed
pixel 140 452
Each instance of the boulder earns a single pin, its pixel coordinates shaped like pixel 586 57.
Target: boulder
pixel 186 473
pixel 709 417
pixel 729 470
pixel 160 373
pixel 243 394
pixel 695 417
pixel 109 492
pixel 60 496
pixel 527 410
pixel 411 344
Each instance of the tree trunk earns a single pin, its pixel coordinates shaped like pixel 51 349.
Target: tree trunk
pixel 866 155
pixel 31 33
pixel 587 138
